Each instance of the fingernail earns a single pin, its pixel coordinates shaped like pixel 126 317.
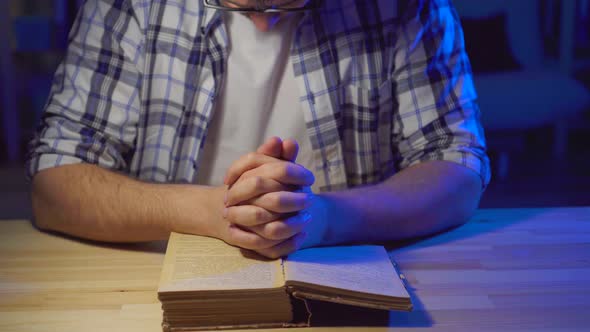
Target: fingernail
pixel 224 213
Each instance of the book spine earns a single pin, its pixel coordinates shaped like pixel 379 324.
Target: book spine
pixel 339 300
pixel 301 308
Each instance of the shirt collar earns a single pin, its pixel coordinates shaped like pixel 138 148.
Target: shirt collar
pixel 210 18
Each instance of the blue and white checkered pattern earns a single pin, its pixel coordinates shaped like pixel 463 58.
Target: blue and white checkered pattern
pixel 384 84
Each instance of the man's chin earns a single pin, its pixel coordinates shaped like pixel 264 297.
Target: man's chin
pixel 265 22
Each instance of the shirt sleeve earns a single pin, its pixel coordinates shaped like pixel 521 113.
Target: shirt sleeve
pixel 92 112
pixel 437 117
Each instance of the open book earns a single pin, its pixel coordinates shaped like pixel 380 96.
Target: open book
pixel 207 284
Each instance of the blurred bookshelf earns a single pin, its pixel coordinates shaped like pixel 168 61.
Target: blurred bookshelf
pixel 34 35
pixel 577 24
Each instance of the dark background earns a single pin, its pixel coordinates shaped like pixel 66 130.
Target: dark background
pixel 531 62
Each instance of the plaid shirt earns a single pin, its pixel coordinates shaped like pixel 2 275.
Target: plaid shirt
pixel 384 84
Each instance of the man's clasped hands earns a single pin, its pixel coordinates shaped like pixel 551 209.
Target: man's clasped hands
pixel 268 205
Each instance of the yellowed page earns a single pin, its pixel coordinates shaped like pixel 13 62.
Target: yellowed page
pixel 362 269
pixel 200 263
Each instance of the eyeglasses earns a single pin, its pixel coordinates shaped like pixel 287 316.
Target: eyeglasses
pixel 263 6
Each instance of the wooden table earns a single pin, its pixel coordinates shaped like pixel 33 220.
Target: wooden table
pixel 506 270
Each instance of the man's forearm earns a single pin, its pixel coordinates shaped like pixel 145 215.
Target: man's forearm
pixel 94 203
pixel 420 200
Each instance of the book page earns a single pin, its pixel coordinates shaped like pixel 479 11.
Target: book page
pixel 363 269
pixel 200 263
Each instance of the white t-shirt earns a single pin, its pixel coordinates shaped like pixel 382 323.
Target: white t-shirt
pixel 260 98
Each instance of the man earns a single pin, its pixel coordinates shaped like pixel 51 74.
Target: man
pixel 158 117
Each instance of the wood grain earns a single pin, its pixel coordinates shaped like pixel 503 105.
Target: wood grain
pixel 507 269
